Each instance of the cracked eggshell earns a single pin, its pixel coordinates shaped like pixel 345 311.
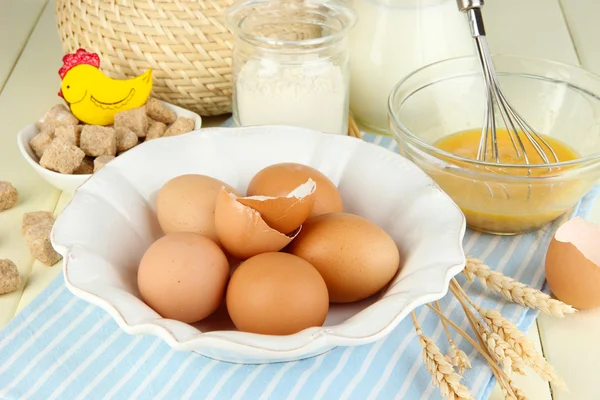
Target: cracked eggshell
pixel 285 214
pixel 242 231
pixel 572 264
pixel 280 179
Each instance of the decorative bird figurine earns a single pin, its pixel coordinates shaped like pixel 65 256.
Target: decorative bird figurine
pixel 95 98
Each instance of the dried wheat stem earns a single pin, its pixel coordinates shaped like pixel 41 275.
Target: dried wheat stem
pixel 455 356
pixel 516 339
pixel 514 290
pixel 442 372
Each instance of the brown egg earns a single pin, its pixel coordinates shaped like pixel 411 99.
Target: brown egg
pixel 182 276
pixel 187 204
pixel 573 264
pixel 280 179
pixel 285 214
pixel 355 257
pixel 276 294
pixel 242 231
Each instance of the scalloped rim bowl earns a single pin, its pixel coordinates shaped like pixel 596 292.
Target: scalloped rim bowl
pixel 69 183
pixel 110 222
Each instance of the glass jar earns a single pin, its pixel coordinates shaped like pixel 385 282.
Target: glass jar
pixel 393 38
pixel 291 63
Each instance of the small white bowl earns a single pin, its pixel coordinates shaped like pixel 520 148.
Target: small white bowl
pixel 111 221
pixel 69 183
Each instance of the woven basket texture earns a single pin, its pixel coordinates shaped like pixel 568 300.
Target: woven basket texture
pixel 185 42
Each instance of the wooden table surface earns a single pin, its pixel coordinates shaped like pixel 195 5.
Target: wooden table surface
pixel 30 52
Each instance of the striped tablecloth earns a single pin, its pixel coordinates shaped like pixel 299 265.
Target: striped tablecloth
pixel 60 347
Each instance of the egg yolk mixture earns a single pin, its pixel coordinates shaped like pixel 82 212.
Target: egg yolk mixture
pixel 505 207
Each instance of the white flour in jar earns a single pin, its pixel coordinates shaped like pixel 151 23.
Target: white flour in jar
pixel 310 95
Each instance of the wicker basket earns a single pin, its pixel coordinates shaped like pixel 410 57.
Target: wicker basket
pixel 185 42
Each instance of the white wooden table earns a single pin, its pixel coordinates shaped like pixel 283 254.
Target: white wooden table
pixel 30 56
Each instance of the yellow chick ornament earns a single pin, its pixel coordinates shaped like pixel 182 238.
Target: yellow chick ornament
pixel 95 98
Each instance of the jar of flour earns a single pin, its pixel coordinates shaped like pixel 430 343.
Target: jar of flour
pixel 291 63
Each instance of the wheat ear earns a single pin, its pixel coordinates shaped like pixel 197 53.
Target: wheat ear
pixel 442 372
pixel 455 356
pixel 519 342
pixel 513 290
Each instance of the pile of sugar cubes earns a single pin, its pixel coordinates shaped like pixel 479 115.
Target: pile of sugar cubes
pixel 66 146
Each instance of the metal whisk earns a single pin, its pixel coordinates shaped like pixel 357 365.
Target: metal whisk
pixel 516 126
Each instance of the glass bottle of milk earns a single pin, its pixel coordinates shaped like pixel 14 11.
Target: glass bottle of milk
pixel 393 38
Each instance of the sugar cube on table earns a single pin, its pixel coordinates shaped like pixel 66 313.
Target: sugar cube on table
pixel 36 217
pixel 8 195
pixel 62 156
pixel 38 241
pixel 10 279
pixel 180 126
pixel 158 112
pixel 134 119
pixel 98 141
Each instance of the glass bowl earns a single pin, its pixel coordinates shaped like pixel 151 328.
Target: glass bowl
pixel 558 100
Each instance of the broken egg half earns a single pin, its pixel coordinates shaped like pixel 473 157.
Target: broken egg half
pixel 573 264
pixel 247 226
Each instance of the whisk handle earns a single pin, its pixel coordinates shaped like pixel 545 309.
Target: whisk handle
pixel 473 10
pixel 464 5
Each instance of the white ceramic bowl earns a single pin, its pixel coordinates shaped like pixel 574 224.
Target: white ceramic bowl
pixel 65 182
pixel 110 222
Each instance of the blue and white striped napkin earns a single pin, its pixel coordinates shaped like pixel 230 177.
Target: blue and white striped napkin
pixel 60 347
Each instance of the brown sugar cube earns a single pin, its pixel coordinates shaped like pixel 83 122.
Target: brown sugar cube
pixel 180 126
pixel 62 156
pixel 126 139
pixel 72 133
pixel 36 217
pixel 38 241
pixel 98 141
pixel 8 195
pixel 10 279
pixel 134 119
pixel 101 161
pixel 39 143
pixel 86 167
pixel 58 115
pixel 158 112
pixel 156 130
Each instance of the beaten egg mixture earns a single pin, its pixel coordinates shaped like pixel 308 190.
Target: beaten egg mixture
pixel 502 206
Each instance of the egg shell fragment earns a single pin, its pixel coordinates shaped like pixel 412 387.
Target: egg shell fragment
pixel 356 257
pixel 241 230
pixel 572 264
pixel 187 203
pixel 280 179
pixel 285 214
pixel 183 276
pixel 276 294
